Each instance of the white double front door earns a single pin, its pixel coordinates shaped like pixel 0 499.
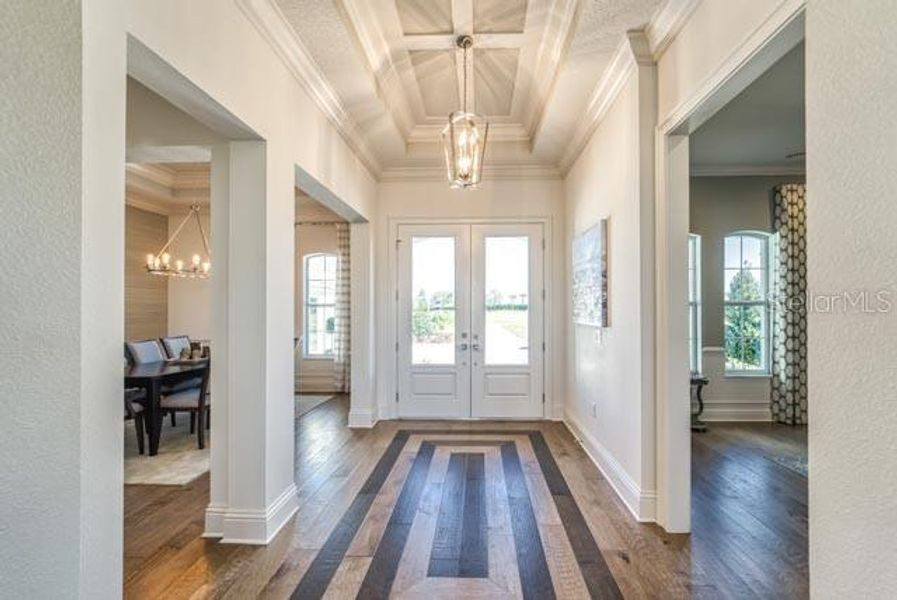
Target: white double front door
pixel 470 321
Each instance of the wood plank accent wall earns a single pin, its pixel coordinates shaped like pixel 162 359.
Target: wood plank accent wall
pixel 146 297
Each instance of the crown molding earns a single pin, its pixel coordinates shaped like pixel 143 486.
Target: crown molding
pixel 631 53
pixel 771 170
pixel 666 23
pixel 274 28
pixel 493 172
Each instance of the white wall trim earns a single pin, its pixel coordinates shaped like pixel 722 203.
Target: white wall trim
pixel 632 51
pixel 274 28
pixel 666 23
pixel 214 521
pixel 641 503
pixel 782 30
pixel 743 412
pixel 258 527
pixel 361 419
pixel 748 170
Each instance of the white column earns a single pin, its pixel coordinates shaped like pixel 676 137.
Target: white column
pixel 253 494
pixel 673 407
pixel 363 410
pixel 220 224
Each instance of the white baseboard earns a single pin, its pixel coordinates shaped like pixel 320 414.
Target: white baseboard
pixel 241 526
pixel 743 411
pixel 641 503
pixel 214 521
pixel 361 419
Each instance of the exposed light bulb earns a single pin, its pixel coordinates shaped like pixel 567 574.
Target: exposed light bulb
pixel 166 259
pixel 196 260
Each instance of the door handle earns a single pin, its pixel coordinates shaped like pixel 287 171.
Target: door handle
pixel 476 347
pixel 462 347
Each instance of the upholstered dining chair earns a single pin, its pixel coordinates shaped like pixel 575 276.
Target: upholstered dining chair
pixel 175 344
pixel 194 401
pixel 144 352
pixel 134 411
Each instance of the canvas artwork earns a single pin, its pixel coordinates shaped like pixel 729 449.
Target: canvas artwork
pixel 590 276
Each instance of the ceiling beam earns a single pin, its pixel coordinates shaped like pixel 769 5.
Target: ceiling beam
pixel 446 41
pixel 462 17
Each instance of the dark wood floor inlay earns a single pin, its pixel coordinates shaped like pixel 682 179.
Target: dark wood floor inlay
pixel 595 571
pixel 382 571
pixel 535 578
pixel 320 573
pixel 460 544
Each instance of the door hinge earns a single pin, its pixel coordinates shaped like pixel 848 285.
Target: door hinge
pixel 543 244
pixel 543 346
pixel 397 396
pixel 397 295
pixel 543 398
pixel 543 293
pixel 397 347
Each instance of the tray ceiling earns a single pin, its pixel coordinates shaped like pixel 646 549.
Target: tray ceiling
pixel 398 74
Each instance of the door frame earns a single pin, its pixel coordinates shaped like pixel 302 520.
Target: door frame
pixel 769 42
pixel 389 405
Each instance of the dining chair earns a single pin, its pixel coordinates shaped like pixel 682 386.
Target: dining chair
pixel 144 352
pixel 175 344
pixel 194 401
pixel 134 411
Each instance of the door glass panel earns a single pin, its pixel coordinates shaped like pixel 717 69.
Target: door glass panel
pixel 507 301
pixel 433 300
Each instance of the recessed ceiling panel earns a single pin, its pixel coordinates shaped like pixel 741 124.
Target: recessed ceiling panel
pixel 425 16
pixel 495 72
pixel 437 78
pixel 499 16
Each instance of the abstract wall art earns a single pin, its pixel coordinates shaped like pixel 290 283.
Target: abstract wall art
pixel 590 276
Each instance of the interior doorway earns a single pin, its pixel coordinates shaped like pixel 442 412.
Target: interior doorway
pixel 322 337
pixel 470 320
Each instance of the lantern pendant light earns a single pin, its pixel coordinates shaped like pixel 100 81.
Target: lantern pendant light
pixel 464 137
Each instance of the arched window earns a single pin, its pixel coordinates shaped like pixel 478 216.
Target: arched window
pixel 320 298
pixel 746 281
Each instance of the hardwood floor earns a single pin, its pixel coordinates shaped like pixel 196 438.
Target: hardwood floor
pixel 551 520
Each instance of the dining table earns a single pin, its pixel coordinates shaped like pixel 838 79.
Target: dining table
pixel 154 377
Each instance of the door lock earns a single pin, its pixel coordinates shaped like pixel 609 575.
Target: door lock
pixel 462 347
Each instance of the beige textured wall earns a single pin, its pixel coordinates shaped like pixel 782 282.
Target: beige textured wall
pixel 146 297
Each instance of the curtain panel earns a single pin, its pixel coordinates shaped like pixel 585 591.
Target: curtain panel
pixel 789 333
pixel 341 322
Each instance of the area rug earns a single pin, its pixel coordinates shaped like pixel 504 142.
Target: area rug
pixel 798 464
pixel 178 462
pixel 306 402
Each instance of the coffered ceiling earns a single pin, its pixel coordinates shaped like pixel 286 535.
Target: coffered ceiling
pixel 396 72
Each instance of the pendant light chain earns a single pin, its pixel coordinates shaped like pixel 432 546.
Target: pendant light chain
pixel 465 77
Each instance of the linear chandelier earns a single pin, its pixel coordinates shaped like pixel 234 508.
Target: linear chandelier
pixel 464 137
pixel 161 263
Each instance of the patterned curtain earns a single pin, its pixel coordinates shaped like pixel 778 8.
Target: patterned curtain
pixel 789 333
pixel 341 324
